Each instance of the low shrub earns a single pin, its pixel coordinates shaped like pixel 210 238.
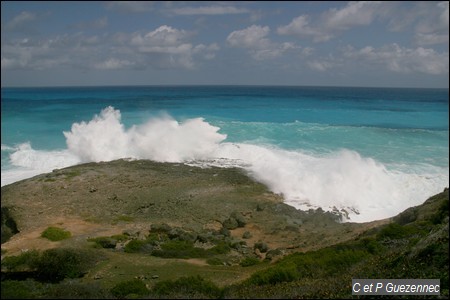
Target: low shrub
pixel 138 246
pixel 441 213
pixel 154 238
pixel 179 249
pixel 104 242
pixel 221 248
pixel 76 290
pixel 24 261
pixel 275 275
pixel 215 261
pixel 55 234
pixel 395 231
pixel 56 264
pixel 130 287
pixel 187 287
pixel 249 261
pixel 261 246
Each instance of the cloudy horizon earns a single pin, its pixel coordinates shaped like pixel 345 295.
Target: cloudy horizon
pixel 373 44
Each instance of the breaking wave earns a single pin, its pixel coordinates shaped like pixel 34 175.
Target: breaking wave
pixel 343 181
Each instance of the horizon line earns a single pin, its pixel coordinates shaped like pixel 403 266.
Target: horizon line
pixel 218 85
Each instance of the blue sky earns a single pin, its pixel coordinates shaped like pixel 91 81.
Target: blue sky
pixel 380 44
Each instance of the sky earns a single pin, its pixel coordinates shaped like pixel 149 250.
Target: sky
pixel 300 43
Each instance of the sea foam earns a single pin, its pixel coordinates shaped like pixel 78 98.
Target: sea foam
pixel 360 188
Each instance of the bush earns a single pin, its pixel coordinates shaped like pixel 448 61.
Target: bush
pixel 193 287
pixel 179 249
pixel 56 264
pixel 395 231
pixel 442 212
pixel 75 290
pixel 20 262
pixel 55 234
pixel 215 261
pixel 220 248
pixel 134 246
pixel 261 246
pixel 249 261
pixel 275 275
pixel 125 288
pixel 104 242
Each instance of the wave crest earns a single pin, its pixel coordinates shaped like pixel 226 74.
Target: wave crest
pixel 343 181
pixel 164 139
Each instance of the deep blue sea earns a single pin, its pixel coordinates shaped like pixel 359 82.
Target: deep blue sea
pixel 370 151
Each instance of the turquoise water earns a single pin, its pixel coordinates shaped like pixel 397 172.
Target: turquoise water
pixel 375 151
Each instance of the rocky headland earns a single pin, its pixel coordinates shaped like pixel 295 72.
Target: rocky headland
pixel 157 223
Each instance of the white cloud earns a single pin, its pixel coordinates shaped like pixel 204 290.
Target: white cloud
pixel 21 20
pixel 210 10
pixel 114 64
pixel 164 47
pixel 433 26
pixel 330 23
pixel 401 59
pixel 431 38
pixel 167 47
pixel 353 14
pixel 162 36
pixel 251 37
pixel 254 38
pixel 300 26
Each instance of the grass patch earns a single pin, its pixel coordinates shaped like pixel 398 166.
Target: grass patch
pixel 55 234
pixel 124 218
pixel 72 174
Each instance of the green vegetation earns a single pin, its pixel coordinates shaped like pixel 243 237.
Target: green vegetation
pixel 129 288
pixel 135 246
pixel 21 262
pixel 13 289
pixel 249 261
pixel 403 249
pixel 179 249
pixel 57 264
pixel 9 226
pixel 52 265
pixel 125 218
pixel 144 262
pixel 194 287
pixel 55 234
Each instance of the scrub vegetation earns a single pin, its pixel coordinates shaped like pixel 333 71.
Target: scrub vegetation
pixel 244 243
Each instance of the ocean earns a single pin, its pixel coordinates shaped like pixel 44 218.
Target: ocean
pixel 368 152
